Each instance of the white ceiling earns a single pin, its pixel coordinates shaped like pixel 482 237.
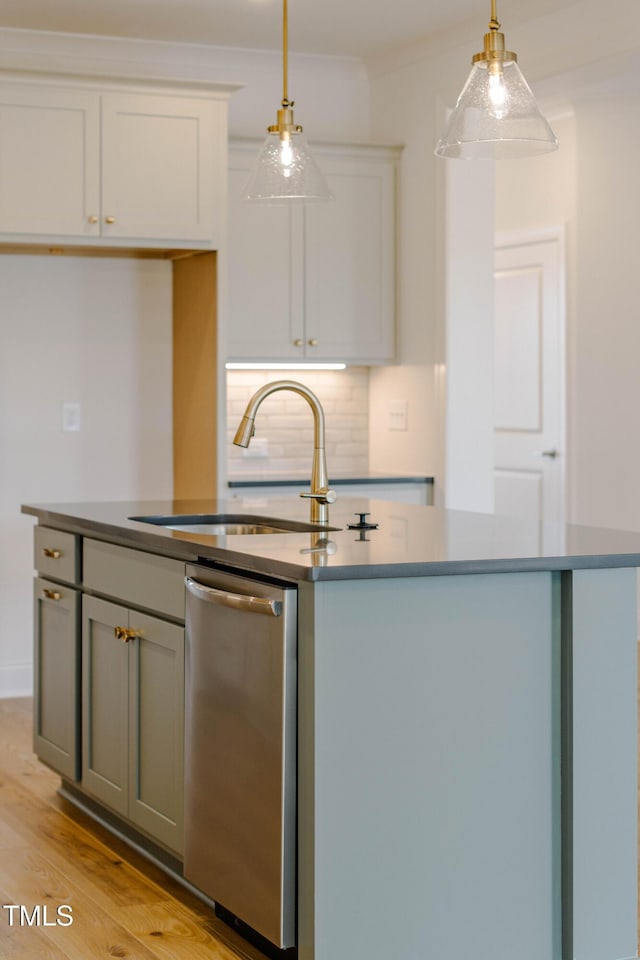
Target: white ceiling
pixel 356 28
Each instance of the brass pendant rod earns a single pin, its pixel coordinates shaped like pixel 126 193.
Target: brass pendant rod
pixel 493 23
pixel 285 49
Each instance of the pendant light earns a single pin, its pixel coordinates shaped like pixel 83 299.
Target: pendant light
pixel 285 168
pixel 496 115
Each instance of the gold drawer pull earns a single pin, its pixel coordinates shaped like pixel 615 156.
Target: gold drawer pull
pixel 92 218
pixel 51 594
pixel 124 634
pixel 109 219
pixel 312 342
pixel 52 554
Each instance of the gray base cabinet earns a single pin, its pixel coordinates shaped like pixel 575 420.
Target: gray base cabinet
pixel 56 738
pixel 133 717
pixel 109 678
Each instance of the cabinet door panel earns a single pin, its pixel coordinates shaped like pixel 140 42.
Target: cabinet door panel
pixel 105 667
pixel 157 729
pixel 265 276
pixel 349 266
pixel 156 177
pixel 49 162
pixel 56 676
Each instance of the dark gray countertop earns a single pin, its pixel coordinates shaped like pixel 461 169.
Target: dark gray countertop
pixel 411 541
pixel 267 479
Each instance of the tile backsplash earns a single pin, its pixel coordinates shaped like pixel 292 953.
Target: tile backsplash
pixel 285 422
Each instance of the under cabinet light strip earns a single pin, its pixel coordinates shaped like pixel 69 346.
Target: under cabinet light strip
pixel 285 366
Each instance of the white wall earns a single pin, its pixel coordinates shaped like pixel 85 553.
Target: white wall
pixel 606 389
pixel 539 192
pixel 96 332
pixel 468 471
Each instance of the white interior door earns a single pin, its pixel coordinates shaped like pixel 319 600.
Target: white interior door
pixel 529 389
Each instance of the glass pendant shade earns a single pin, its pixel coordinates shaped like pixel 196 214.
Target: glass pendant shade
pixel 496 116
pixel 286 170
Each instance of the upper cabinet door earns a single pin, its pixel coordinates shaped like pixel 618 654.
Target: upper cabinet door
pixel 49 161
pixel 158 157
pixel 265 275
pixel 349 263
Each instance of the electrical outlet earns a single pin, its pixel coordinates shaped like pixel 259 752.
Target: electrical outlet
pixel 71 417
pixel 398 415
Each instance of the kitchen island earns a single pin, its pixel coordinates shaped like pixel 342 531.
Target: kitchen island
pixel 467 725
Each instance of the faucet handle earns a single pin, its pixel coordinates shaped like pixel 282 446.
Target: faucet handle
pixel 324 495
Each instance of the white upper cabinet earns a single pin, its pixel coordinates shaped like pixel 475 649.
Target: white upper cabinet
pixel 315 281
pixel 50 160
pixel 158 165
pixel 145 168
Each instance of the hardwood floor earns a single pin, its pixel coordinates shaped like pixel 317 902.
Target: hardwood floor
pixel 53 854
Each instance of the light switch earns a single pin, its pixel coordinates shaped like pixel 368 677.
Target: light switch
pixel 398 415
pixel 71 417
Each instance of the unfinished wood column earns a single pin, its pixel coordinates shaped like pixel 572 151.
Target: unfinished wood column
pixel 194 376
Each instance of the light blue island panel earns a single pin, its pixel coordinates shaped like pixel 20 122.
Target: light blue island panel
pixel 605 779
pixel 467 768
pixel 430 811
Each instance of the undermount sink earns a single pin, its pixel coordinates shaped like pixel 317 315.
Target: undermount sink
pixel 222 524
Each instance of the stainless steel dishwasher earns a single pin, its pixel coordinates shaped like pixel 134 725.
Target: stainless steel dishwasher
pixel 240 746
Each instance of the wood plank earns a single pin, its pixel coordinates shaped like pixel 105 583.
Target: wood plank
pixel 33 880
pixel 51 852
pixel 76 852
pixel 69 250
pixel 8 838
pixel 195 376
pixel 173 934
pixel 24 943
pixel 16 753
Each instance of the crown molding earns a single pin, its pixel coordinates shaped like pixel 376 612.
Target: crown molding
pixel 84 54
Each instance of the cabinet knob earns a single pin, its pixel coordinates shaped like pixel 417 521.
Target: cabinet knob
pixel 297 342
pixel 51 595
pixel 312 342
pixel 109 219
pixel 92 218
pixel 51 553
pixel 124 634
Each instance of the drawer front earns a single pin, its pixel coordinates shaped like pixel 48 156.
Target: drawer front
pixel 57 554
pixel 138 578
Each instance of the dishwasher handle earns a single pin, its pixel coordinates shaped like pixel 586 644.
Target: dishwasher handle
pixel 271 608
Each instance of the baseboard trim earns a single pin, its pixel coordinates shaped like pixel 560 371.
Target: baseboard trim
pixel 16 680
